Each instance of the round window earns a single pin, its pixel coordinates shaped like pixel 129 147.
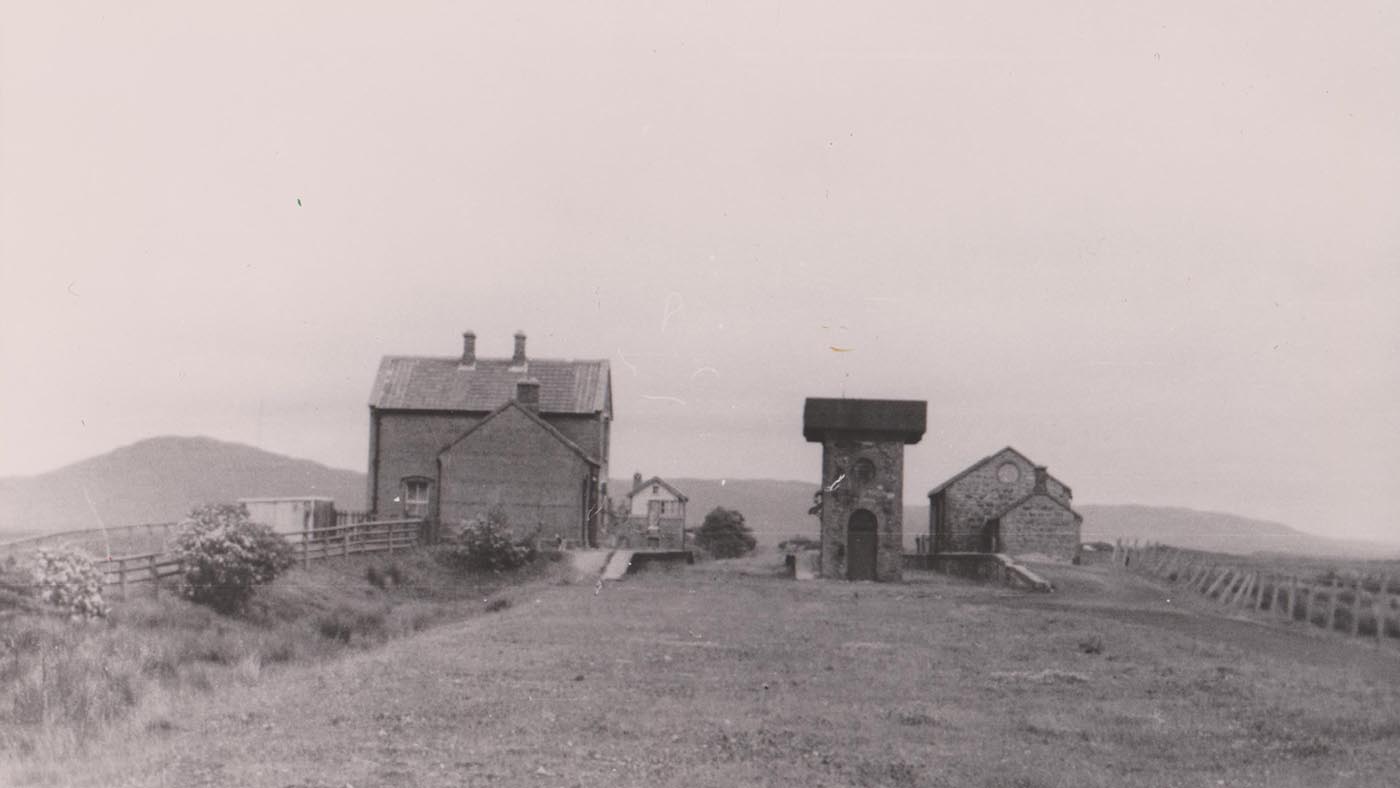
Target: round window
pixel 864 471
pixel 1008 472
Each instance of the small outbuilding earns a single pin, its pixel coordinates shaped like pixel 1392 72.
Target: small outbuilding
pixel 655 516
pixel 861 501
pixel 1005 503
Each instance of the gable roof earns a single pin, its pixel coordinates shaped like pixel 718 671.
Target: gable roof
pixel 539 422
pixel 974 466
pixel 443 383
pixel 660 481
pixel 1033 493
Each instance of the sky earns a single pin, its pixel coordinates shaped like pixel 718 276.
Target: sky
pixel 1154 246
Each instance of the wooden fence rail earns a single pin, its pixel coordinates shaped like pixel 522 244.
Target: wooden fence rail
pixel 382 536
pixel 1356 604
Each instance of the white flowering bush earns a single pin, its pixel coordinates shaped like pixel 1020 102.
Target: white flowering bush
pixel 71 581
pixel 224 556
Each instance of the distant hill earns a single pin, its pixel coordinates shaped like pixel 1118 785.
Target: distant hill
pixel 1216 531
pixel 778 509
pixel 159 480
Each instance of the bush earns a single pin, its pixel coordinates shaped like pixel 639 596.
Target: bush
pixel 225 557
pixel 484 544
pixel 69 580
pixel 724 534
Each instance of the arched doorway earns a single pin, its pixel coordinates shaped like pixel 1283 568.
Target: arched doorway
pixel 862 534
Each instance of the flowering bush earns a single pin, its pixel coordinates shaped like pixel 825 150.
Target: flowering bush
pixel 484 544
pixel 224 556
pixel 69 579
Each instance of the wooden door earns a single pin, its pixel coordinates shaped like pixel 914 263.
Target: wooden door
pixel 862 536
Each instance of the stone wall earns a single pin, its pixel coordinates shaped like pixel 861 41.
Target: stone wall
pixel 881 495
pixel 980 495
pixel 1041 528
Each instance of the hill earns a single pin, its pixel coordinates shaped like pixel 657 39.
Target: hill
pixel 778 509
pixel 158 480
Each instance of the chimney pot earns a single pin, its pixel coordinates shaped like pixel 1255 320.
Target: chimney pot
pixel 636 480
pixel 1041 476
pixel 527 393
pixel 519 357
pixel 468 348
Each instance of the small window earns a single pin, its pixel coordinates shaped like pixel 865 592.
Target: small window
pixel 415 497
pixel 1009 473
pixel 864 470
pixel 655 488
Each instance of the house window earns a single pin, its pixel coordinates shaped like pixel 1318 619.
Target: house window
pixel 1009 473
pixel 415 497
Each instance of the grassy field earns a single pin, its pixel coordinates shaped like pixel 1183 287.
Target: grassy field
pixel 726 674
pixel 64 685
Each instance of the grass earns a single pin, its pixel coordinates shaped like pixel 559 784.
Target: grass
pixel 726 674
pixel 64 684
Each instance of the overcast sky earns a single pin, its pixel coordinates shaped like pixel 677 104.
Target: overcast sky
pixel 1155 246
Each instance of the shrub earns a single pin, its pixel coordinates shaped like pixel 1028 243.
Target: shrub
pixel 225 557
pixel 484 544
pixel 724 534
pixel 69 580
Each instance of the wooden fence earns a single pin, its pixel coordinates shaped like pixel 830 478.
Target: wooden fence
pixel 383 536
pixel 117 540
pixel 1355 603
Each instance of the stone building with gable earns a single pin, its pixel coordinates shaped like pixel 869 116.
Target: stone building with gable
pixel 453 437
pixel 1005 503
pixel 653 516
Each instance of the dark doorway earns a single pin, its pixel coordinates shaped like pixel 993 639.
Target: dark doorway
pixel 861 538
pixel 991 536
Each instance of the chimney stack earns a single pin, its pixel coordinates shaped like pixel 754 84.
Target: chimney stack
pixel 468 348
pixel 519 357
pixel 636 479
pixel 527 393
pixel 1040 478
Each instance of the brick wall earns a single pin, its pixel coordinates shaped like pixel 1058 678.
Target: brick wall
pixel 1040 527
pixel 513 462
pixel 882 496
pixel 408 445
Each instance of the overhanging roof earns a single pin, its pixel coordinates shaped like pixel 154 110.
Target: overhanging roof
pixel 895 419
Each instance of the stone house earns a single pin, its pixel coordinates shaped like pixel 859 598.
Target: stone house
pixel 452 437
pixel 861 501
pixel 653 516
pixel 1005 503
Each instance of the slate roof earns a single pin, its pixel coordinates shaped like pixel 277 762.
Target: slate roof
pixel 974 466
pixel 658 480
pixel 442 383
pixel 1032 494
pixel 539 422
pixel 902 418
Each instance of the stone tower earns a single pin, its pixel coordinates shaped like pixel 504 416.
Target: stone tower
pixel 862 495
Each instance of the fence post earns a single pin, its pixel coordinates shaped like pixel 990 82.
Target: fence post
pixel 1332 587
pixel 121 576
pixel 1379 606
pixel 345 543
pixel 305 549
pixel 1263 593
pixel 1356 607
pixel 1219 581
pixel 155 576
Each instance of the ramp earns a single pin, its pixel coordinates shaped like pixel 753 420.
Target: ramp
pixel 618 564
